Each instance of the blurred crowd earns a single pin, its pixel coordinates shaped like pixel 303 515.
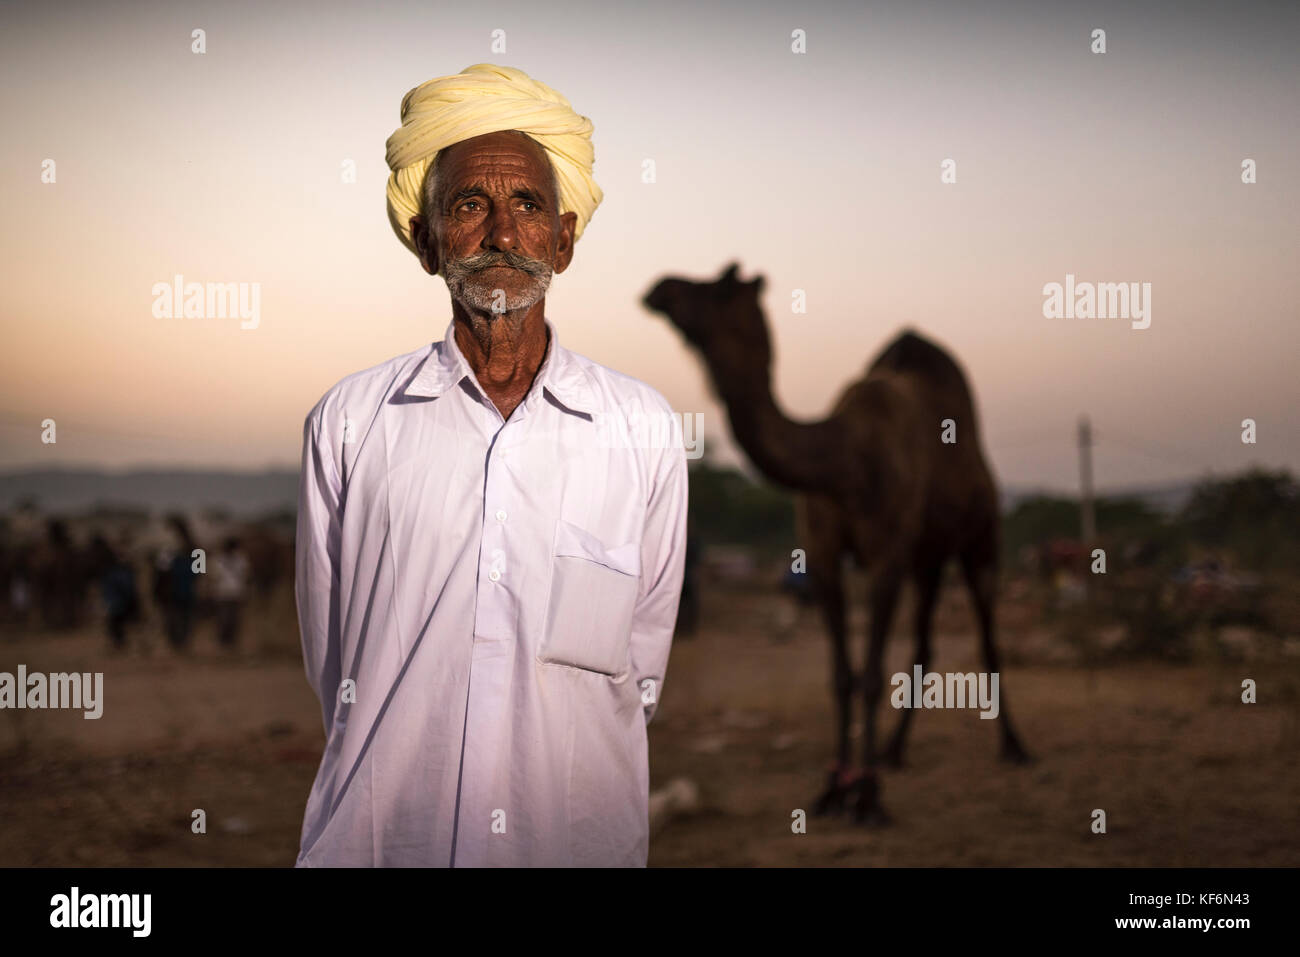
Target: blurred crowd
pixel 137 574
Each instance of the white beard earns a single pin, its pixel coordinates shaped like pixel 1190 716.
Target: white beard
pixel 476 292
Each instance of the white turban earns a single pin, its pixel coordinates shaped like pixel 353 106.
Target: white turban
pixel 487 99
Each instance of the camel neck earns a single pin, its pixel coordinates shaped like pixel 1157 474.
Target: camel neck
pixel 806 456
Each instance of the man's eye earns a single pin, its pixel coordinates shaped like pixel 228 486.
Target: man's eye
pixel 472 202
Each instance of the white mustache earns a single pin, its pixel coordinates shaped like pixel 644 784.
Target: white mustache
pixel 474 264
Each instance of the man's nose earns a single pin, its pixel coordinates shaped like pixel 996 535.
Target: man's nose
pixel 501 233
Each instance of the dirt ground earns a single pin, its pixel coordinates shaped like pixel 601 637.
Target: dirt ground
pixel 1187 774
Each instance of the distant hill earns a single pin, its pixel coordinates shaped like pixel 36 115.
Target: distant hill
pixel 242 494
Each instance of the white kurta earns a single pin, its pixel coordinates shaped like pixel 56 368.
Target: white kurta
pixel 486 611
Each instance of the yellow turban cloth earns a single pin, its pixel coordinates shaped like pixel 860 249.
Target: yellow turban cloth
pixel 487 99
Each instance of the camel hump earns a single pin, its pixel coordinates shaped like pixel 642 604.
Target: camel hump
pixel 917 355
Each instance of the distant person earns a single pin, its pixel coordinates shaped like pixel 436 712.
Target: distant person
pixel 118 590
pixel 230 572
pixel 160 562
pixel 20 585
pixel 798 588
pixel 60 577
pixel 177 588
pixel 797 585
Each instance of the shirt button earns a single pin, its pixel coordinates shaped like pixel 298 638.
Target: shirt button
pixel 494 575
pixel 501 515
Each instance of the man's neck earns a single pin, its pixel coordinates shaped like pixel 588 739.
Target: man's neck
pixel 505 351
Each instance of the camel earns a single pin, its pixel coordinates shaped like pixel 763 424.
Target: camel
pixel 874 481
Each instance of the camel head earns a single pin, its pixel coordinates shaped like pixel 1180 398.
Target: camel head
pixel 722 318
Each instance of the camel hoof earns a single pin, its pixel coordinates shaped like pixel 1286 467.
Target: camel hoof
pixel 867 811
pixel 831 800
pixel 844 784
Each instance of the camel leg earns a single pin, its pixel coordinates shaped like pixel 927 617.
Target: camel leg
pixel 981 578
pixel 927 592
pixel 821 527
pixel 828 586
pixel 884 596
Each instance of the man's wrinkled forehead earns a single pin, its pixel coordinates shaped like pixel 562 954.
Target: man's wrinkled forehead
pixel 508 150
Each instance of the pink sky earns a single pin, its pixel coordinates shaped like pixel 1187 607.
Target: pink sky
pixel 821 171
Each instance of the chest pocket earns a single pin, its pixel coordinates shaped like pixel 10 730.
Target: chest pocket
pixel 593 596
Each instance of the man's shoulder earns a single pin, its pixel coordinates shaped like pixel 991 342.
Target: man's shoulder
pixel 369 387
pixel 629 411
pixel 616 390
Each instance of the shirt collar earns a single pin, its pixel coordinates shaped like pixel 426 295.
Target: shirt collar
pixel 560 374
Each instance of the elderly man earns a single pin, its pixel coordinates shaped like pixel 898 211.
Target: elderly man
pixel 488 563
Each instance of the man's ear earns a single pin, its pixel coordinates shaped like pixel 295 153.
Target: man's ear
pixel 564 242
pixel 426 250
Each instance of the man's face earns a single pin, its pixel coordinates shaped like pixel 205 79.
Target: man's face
pixel 496 229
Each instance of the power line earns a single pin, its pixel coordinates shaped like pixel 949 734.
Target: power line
pixel 1156 450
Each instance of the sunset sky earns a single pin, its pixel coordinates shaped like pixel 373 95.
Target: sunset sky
pixel 820 171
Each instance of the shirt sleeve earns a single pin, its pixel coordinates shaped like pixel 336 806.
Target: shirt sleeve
pixel 316 565
pixel 663 562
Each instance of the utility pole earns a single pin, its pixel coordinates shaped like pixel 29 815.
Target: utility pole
pixel 1089 517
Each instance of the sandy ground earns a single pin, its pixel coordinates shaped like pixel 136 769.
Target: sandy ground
pixel 1187 774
